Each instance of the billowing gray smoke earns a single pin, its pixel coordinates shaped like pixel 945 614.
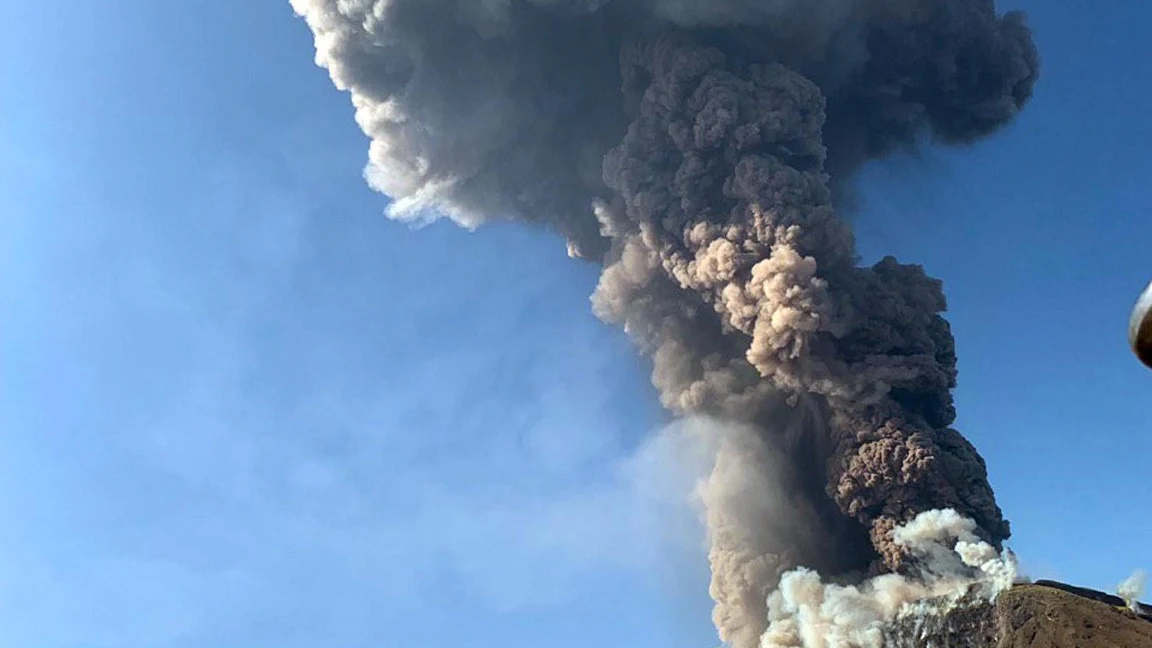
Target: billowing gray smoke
pixel 697 149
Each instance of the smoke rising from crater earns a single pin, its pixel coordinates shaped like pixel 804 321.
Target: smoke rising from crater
pixel 1132 588
pixel 699 151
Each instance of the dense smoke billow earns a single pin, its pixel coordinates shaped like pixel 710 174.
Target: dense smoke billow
pixel 699 150
pixel 956 568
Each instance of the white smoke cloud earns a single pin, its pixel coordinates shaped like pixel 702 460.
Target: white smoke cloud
pixel 752 519
pixel 956 567
pixel 1132 589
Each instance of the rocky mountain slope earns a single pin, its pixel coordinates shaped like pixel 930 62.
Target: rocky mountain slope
pixel 1044 614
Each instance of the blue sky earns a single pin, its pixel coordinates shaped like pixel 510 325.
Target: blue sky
pixel 238 407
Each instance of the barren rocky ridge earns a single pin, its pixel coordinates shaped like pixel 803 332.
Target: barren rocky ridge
pixel 1045 614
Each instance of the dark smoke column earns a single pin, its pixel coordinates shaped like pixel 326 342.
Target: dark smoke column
pixel 696 148
pixel 724 198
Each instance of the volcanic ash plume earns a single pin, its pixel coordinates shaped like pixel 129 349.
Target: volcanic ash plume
pixel 697 149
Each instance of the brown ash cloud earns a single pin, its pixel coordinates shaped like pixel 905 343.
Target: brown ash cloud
pixel 700 152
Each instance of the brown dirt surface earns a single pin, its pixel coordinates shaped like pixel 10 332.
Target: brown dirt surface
pixel 1052 615
pixel 1045 614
